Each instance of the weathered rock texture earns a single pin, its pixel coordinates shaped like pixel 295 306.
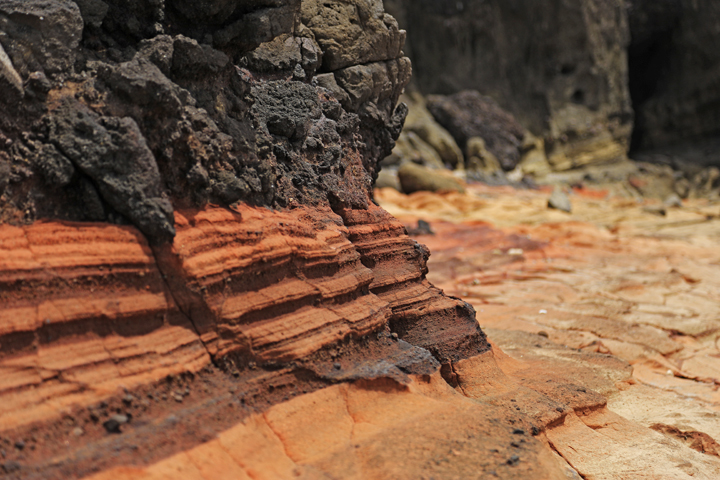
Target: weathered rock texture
pixel 126 110
pixel 559 67
pixel 612 280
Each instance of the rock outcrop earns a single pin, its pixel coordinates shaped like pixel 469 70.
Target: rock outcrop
pixel 196 281
pixel 186 211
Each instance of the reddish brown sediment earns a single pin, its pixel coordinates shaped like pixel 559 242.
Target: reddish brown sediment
pixel 84 312
pixel 336 394
pixel 91 313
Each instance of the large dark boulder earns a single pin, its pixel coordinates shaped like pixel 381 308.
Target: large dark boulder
pixel 468 114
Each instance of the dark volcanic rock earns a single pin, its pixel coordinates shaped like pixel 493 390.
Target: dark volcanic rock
pixel 468 114
pixel 114 154
pixel 353 33
pixel 40 34
pixel 219 102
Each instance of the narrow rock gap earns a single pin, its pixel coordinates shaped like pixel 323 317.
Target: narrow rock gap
pixel 164 276
pixel 279 438
pixel 552 447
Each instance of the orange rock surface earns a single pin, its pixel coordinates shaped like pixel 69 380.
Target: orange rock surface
pixel 613 278
pixel 92 319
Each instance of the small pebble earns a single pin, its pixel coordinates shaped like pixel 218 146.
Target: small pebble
pixel 337 366
pixel 673 201
pixel 514 460
pixel 20 444
pixel 394 336
pixel 560 201
pixel 78 432
pixel 111 426
pixel 178 398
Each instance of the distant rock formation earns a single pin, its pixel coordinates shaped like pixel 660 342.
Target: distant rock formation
pixel 559 67
pixel 675 72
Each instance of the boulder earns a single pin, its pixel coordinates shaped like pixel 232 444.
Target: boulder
pixel 113 153
pixel 388 179
pixel 559 200
pixel 468 114
pixel 422 123
pixel 40 35
pixel 416 178
pixel 352 32
pixel 411 148
pixel 480 158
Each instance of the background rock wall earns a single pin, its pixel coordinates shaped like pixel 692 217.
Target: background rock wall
pixel 559 67
pixel 584 76
pixel 675 71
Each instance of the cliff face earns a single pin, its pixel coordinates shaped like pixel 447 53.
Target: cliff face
pixel 559 67
pixel 124 111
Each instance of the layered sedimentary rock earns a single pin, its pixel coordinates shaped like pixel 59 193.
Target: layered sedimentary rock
pixel 559 67
pixel 187 233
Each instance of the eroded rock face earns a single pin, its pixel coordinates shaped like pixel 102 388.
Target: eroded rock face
pixel 218 112
pixel 186 196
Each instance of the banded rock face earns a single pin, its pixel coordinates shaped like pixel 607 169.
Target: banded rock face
pixel 185 211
